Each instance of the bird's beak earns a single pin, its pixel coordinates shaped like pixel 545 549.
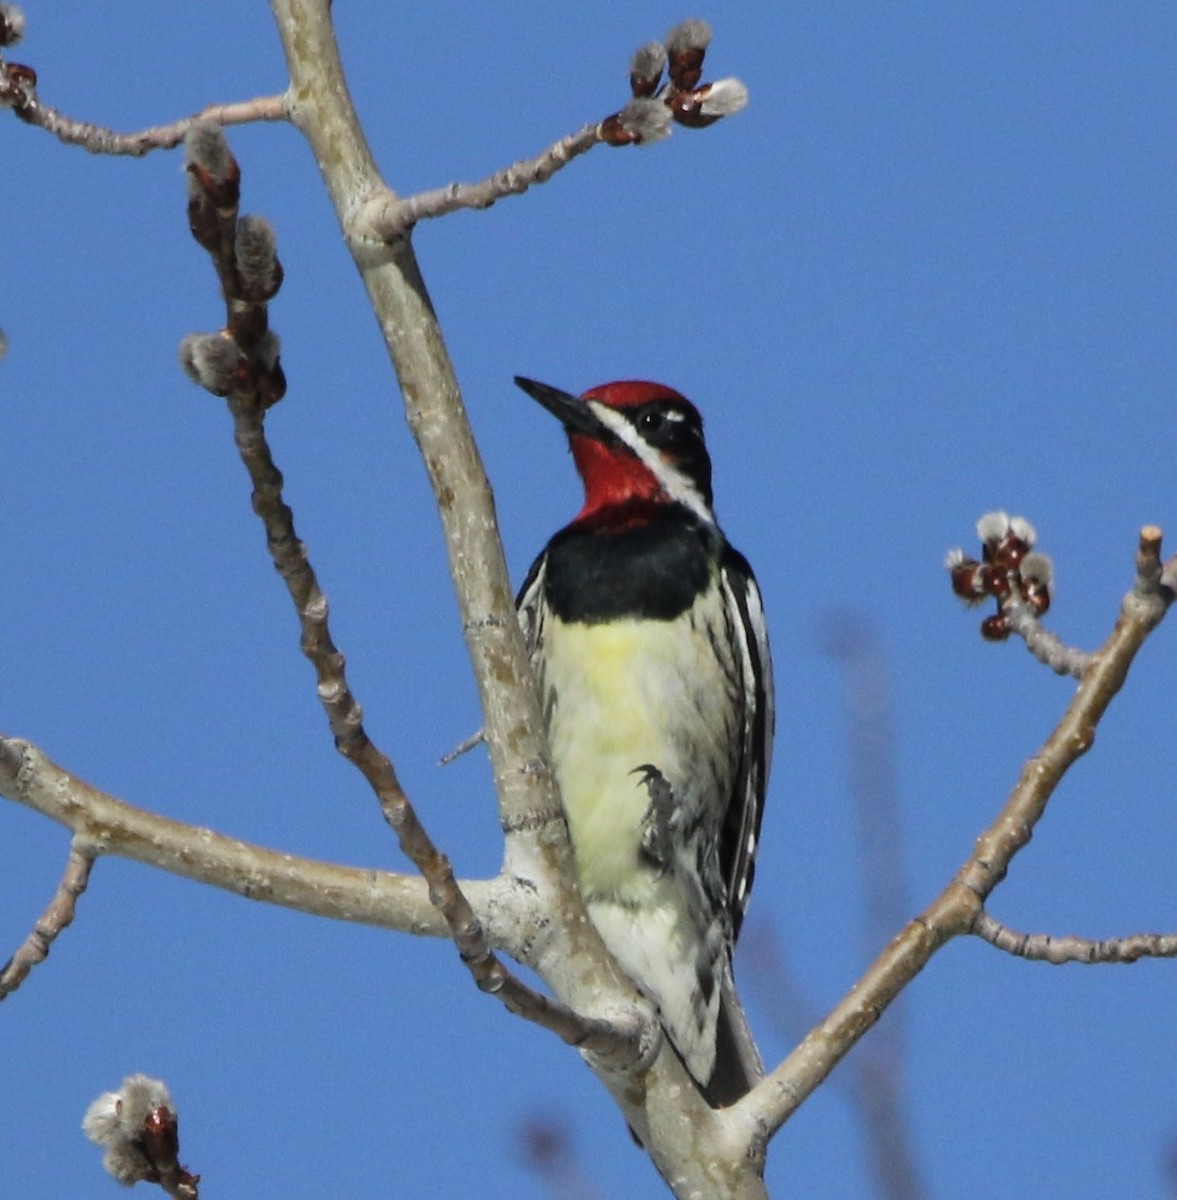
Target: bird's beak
pixel 571 411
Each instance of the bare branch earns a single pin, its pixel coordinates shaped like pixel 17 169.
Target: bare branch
pixel 874 787
pixel 764 962
pixel 646 118
pixel 246 261
pixel 536 837
pixel 322 111
pixel 97 139
pixel 388 217
pixel 697 1150
pixel 1047 647
pixel 59 913
pixel 18 91
pixel 1154 585
pixel 956 910
pixel 872 1080
pixel 102 824
pixel 1043 947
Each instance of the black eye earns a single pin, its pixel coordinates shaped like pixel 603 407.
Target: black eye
pixel 651 422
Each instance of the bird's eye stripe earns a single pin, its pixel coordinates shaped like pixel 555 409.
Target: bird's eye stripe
pixel 677 486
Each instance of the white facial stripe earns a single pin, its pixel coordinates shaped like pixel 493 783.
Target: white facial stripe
pixel 674 483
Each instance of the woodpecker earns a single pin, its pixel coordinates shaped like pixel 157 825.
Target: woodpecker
pixel 646 632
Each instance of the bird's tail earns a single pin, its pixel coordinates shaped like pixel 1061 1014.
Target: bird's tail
pixel 738 1066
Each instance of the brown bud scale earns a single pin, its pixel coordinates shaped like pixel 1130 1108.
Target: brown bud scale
pixel 687 109
pixel 995 628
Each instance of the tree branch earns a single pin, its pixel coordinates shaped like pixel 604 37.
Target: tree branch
pixel 1043 947
pixel 696 1150
pixel 956 910
pixel 352 741
pixel 536 843
pixel 647 117
pixel 21 95
pixel 58 914
pixel 388 217
pixel 321 108
pixel 241 363
pixel 102 824
pixel 1045 645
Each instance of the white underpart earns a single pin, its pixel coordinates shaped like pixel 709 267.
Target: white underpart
pixel 674 483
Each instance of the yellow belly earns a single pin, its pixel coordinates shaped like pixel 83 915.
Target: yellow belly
pixel 620 695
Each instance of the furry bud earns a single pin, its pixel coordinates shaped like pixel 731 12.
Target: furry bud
pixel 646 67
pixel 12 24
pixel 138 1126
pixel 211 360
pixel 256 252
pixel 647 120
pixel 207 153
pixel 686 45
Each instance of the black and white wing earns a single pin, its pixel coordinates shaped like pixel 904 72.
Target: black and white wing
pixel 740 833
pixel 530 606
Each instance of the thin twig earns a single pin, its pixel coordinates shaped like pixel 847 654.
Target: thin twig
pixel 99 140
pixel 874 787
pixel 352 741
pixel 872 1078
pixel 512 719
pixel 254 385
pixel 388 217
pixel 1044 947
pixel 59 913
pixel 956 910
pixel 536 852
pixel 1045 645
pixel 654 107
pixel 1154 579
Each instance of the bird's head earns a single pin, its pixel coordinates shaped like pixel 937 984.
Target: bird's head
pixel 634 443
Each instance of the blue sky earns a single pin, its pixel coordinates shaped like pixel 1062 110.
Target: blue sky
pixel 929 272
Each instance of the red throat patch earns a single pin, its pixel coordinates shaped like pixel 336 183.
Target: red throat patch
pixel 614 478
